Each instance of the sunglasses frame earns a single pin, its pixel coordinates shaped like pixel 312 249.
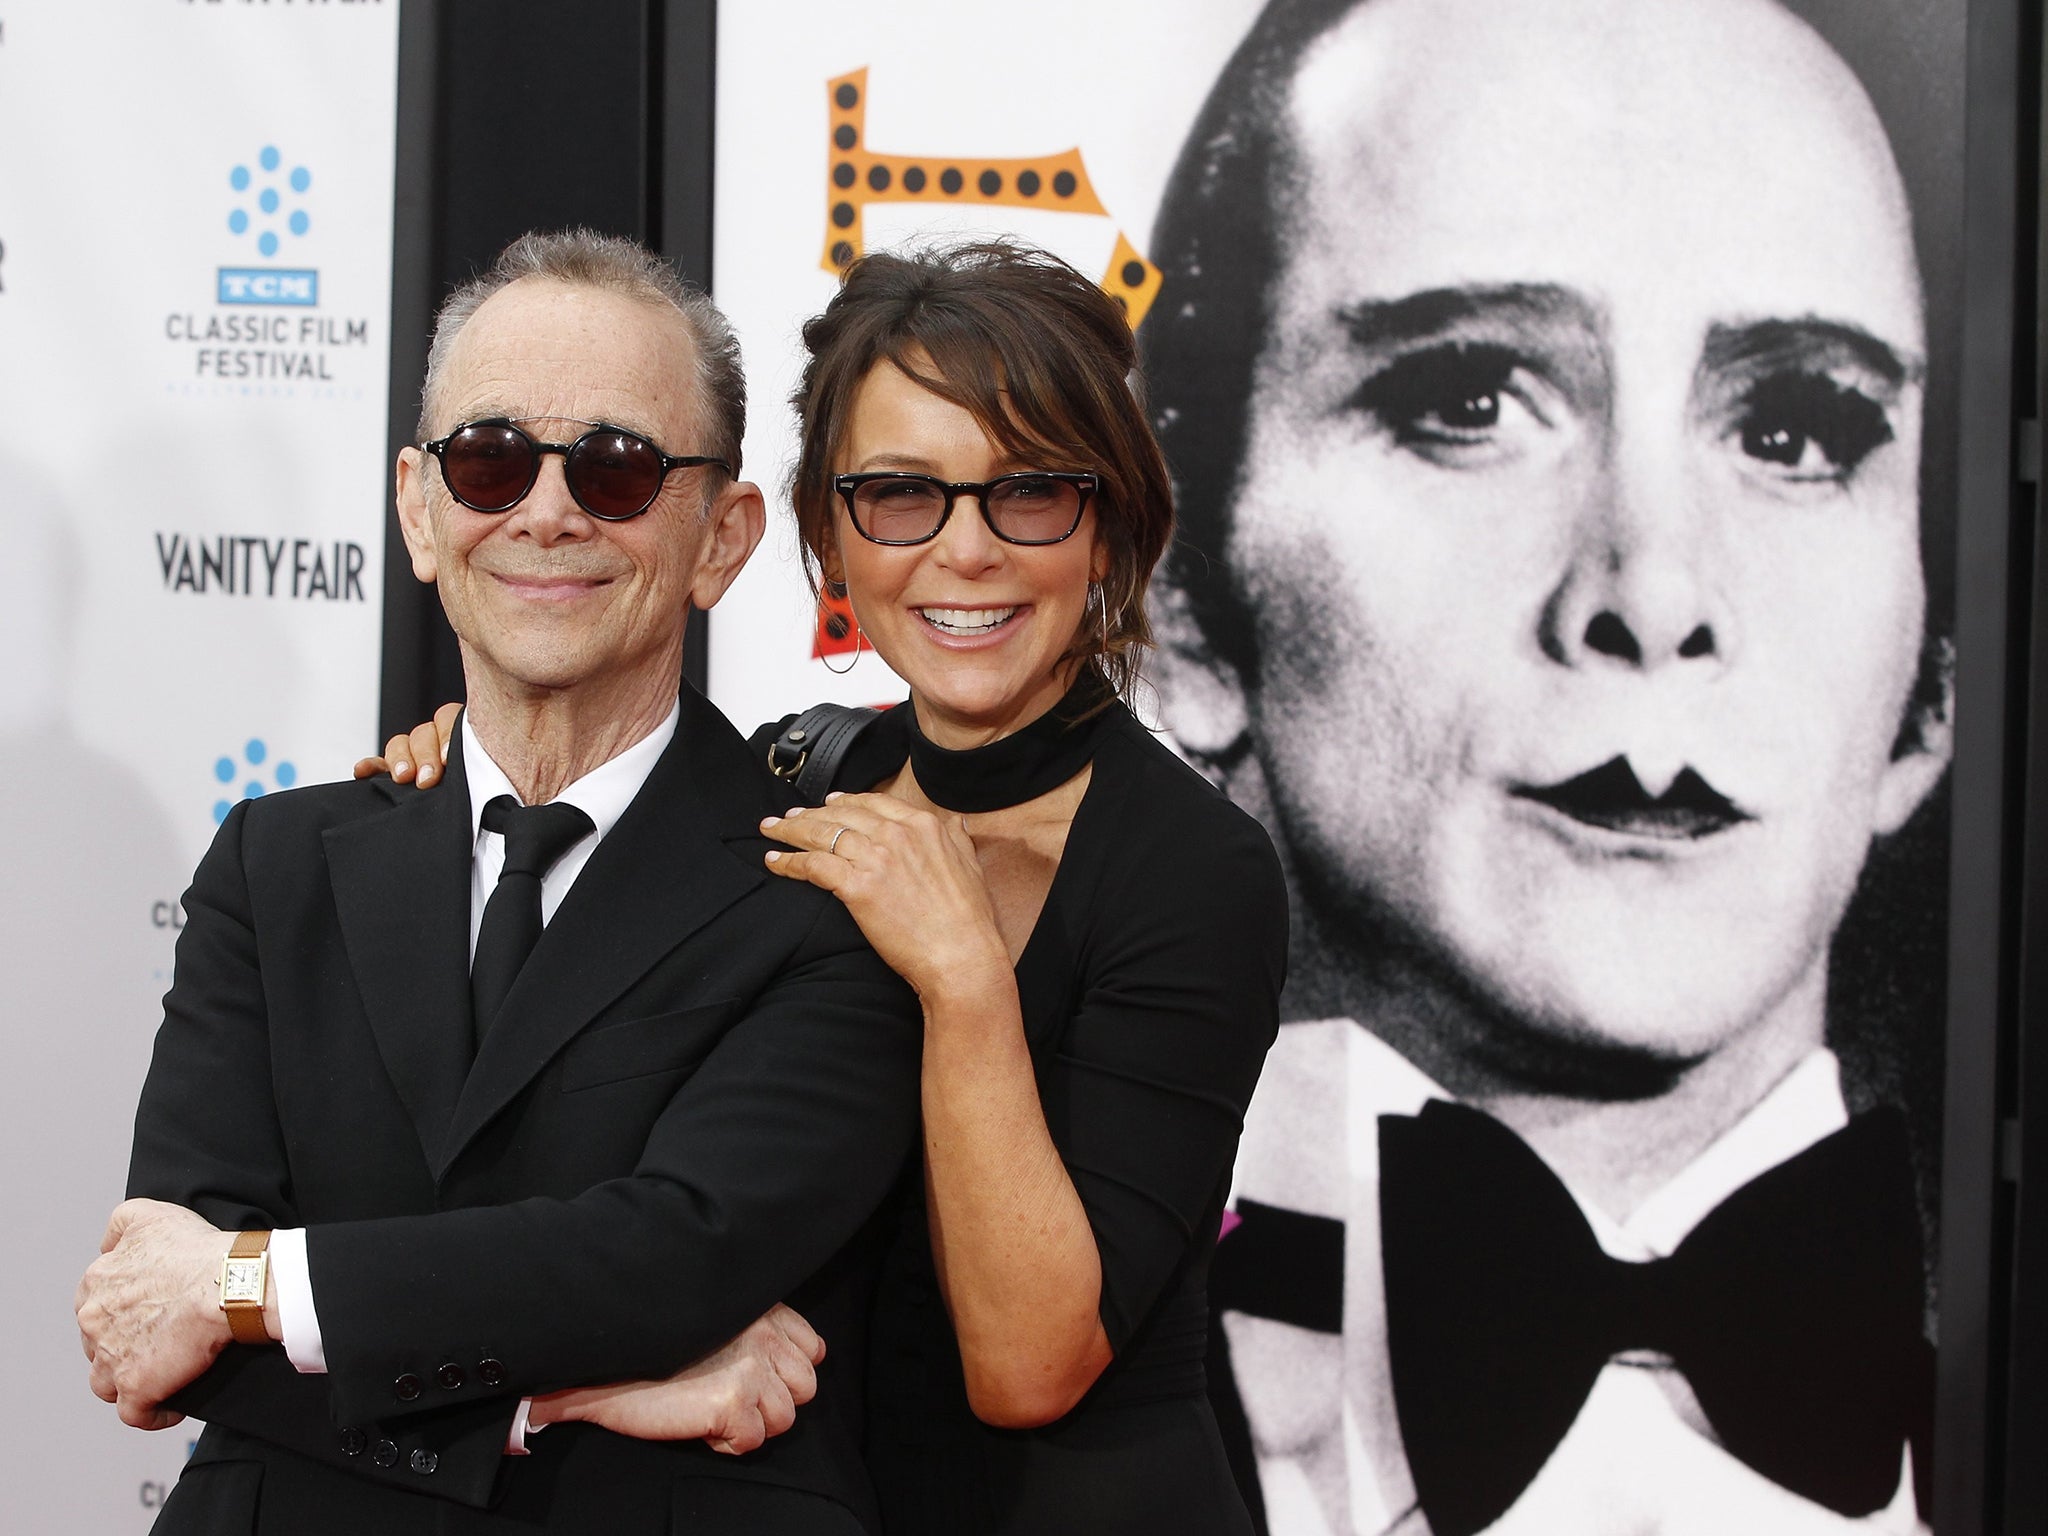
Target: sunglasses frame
pixel 669 462
pixel 1087 482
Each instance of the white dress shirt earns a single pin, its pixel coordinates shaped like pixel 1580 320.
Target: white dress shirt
pixel 601 794
pixel 1321 1406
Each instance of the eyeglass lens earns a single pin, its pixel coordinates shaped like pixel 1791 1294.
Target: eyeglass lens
pixel 490 467
pixel 1027 509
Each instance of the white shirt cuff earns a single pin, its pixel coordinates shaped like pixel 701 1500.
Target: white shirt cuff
pixel 296 1318
pixel 515 1438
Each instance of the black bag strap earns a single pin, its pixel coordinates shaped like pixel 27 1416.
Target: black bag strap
pixel 811 747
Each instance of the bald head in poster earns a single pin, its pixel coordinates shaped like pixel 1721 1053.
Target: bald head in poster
pixel 1545 387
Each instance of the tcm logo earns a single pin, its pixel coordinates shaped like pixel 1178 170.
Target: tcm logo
pixel 268 285
pixel 269 209
pixel 257 773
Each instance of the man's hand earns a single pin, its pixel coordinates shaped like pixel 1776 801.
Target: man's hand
pixel 149 1308
pixel 734 1398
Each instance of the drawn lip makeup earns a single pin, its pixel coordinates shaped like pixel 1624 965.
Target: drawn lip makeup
pixel 1613 799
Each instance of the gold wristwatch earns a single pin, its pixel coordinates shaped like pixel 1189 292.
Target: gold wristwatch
pixel 244 1279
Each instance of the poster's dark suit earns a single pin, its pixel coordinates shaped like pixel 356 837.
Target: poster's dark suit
pixel 695 1096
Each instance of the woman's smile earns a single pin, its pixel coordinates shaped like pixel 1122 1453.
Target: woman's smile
pixel 982 629
pixel 967 622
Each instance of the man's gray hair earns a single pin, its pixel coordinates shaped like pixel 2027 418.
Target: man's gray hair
pixel 586 259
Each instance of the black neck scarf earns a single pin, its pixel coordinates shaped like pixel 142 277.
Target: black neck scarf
pixel 1021 766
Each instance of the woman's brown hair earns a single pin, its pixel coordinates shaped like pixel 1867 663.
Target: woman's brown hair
pixel 1046 364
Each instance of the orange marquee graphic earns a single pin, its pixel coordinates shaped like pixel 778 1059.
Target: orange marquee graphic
pixel 857 176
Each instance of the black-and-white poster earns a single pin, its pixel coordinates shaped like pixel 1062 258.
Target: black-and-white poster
pixel 1560 399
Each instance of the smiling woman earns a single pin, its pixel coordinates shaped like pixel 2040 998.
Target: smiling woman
pixel 1097 936
pixel 977 621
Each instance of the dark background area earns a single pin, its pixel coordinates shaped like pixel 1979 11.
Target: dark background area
pixel 2016 1338
pixel 516 114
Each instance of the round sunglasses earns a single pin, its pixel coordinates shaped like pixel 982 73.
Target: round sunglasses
pixel 613 474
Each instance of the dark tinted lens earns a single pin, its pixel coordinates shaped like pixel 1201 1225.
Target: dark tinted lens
pixel 1034 509
pixel 614 474
pixel 898 511
pixel 487 467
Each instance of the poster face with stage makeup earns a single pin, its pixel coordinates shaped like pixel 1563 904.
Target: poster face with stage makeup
pixel 1559 398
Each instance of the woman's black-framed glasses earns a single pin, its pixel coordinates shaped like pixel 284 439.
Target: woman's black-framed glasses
pixel 1035 507
pixel 613 474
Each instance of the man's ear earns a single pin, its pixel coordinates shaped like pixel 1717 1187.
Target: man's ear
pixel 733 528
pixel 1926 743
pixel 411 476
pixel 1201 695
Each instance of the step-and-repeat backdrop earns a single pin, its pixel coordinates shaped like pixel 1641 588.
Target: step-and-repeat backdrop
pixel 195 273
pixel 1568 588
pixel 1546 387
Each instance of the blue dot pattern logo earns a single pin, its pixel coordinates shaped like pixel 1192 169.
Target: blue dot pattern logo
pixel 254 754
pixel 268 213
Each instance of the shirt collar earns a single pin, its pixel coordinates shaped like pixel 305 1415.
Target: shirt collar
pixel 601 794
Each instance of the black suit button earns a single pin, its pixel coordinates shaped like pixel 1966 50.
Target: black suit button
pixel 407 1387
pixel 449 1376
pixel 424 1462
pixel 354 1442
pixel 384 1453
pixel 491 1371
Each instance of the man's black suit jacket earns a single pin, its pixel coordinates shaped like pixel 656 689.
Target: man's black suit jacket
pixel 694 1100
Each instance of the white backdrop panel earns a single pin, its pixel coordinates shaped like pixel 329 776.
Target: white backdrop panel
pixel 195 258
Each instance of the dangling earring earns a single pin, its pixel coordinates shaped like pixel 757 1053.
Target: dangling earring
pixel 860 641
pixel 836 590
pixel 1099 601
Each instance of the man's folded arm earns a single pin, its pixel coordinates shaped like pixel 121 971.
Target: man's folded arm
pixel 452 1453
pixel 766 1162
pixel 207 1137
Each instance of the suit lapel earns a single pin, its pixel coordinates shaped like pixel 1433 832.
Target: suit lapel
pixel 401 889
pixel 659 875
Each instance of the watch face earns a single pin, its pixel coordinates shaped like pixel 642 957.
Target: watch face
pixel 243 1281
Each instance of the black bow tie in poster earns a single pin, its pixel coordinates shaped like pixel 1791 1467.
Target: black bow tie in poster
pixel 1793 1310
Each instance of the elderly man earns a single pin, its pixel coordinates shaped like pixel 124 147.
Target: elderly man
pixel 542 1081
pixel 1552 587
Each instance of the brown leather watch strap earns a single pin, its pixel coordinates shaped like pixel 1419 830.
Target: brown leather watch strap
pixel 245 1318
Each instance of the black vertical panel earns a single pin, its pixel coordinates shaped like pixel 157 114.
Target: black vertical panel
pixel 1988 780
pixel 681 115
pixel 2025 1139
pixel 541 119
pixel 517 115
pixel 685 114
pixel 416 639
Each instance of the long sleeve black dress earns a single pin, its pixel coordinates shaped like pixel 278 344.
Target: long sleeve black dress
pixel 1150 991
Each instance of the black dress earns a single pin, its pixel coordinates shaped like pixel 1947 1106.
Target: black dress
pixel 1150 993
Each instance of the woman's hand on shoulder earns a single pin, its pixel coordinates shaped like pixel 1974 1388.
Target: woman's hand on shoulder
pixel 911 880
pixel 417 757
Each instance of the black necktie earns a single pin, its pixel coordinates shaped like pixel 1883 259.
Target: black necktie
pixel 1793 1311
pixel 535 836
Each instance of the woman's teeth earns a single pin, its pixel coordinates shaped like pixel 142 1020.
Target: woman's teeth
pixel 966 621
